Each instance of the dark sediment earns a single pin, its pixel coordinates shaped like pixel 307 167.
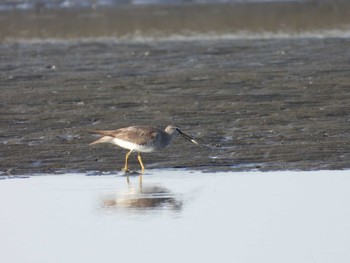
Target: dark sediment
pixel 267 104
pixel 260 104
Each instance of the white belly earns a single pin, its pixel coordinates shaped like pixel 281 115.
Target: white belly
pixel 132 146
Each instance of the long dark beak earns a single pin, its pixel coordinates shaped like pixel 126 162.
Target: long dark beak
pixel 187 137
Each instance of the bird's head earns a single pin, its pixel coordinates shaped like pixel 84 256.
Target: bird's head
pixel 172 130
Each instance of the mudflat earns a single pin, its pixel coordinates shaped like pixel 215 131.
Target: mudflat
pixel 268 104
pixel 262 85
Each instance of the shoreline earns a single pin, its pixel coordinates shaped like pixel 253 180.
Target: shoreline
pixel 161 21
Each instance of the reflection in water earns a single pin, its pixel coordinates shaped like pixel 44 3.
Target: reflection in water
pixel 141 197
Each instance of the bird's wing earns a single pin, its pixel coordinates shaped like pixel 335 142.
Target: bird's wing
pixel 138 134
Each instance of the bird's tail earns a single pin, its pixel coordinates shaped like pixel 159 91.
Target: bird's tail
pixel 103 139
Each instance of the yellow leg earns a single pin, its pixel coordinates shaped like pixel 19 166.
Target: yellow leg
pixel 125 169
pixel 140 161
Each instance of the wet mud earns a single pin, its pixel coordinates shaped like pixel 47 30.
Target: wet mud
pixel 256 104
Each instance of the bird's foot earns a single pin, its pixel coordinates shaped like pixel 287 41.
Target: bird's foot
pixel 126 170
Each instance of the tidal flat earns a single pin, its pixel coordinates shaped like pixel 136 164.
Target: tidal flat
pixel 263 86
pixel 266 104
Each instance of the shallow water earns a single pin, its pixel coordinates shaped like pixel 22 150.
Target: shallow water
pixel 177 215
pixel 268 19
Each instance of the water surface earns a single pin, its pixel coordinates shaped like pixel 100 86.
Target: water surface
pixel 177 215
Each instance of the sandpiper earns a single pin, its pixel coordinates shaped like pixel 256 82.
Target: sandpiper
pixel 140 139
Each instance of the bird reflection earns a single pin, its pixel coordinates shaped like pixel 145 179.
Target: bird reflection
pixel 143 197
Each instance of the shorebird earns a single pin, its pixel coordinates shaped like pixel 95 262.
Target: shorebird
pixel 140 139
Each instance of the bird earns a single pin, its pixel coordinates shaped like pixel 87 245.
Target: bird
pixel 140 139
